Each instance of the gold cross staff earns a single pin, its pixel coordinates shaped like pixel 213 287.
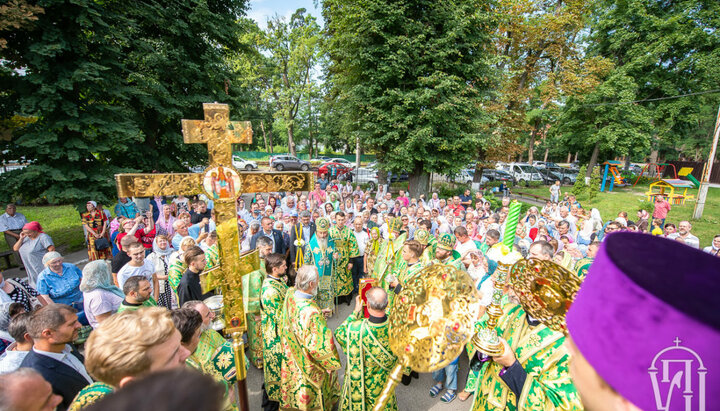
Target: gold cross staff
pixel 223 184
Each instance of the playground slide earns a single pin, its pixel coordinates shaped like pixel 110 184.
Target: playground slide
pixel 693 180
pixel 619 179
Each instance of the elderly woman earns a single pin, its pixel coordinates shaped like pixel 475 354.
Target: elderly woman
pixel 101 298
pixel 59 282
pixel 96 227
pixel 32 246
pixel 164 223
pixel 160 257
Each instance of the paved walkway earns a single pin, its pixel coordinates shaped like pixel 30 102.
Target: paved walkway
pixel 79 258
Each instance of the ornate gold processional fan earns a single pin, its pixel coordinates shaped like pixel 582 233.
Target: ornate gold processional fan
pixel 430 322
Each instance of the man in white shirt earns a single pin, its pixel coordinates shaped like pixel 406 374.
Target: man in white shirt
pixel 464 244
pixel 52 328
pixel 138 265
pixel 362 237
pixel 683 234
pixel 16 352
pixel 11 224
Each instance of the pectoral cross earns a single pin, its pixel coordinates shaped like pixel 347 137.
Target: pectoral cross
pixel 222 183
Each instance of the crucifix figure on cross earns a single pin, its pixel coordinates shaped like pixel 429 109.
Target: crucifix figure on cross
pixel 223 184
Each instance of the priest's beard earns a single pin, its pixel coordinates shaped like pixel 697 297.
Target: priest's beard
pixel 204 327
pixel 322 242
pixel 315 292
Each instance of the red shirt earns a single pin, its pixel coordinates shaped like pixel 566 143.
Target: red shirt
pixel 662 208
pixel 456 209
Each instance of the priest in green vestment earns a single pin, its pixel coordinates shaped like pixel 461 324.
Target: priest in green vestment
pixel 252 285
pixel 347 248
pixel 214 354
pixel 532 372
pixel 322 254
pixel 308 372
pixel 446 253
pixel 272 298
pixel 369 358
pixel 389 258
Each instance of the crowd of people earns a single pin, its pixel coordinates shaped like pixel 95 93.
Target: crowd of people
pixel 137 308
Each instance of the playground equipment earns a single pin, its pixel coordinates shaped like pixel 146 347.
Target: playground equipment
pixel 611 167
pixel 670 184
pixel 659 171
pixel 685 172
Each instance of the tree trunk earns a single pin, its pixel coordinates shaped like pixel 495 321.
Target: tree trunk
pixel 547 150
pixel 419 182
pixel 357 152
pixel 531 142
pixel 627 163
pixel 479 165
pixel 262 127
pixel 291 139
pixel 593 161
pixel 270 138
pixel 569 157
pixel 576 155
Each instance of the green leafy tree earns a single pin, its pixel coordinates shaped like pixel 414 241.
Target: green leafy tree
pixel 659 49
pixel 294 48
pixel 411 78
pixel 108 83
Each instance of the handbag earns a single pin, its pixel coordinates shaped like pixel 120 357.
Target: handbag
pixel 34 301
pixel 102 243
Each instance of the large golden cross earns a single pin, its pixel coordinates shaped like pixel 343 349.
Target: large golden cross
pixel 223 184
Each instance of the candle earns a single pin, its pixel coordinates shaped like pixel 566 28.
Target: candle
pixel 511 224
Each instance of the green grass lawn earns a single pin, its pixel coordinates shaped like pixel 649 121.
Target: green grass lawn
pixel 61 223
pixel 628 199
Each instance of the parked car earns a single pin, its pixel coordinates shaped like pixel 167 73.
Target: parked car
pixel 286 162
pixel 366 175
pixel 320 159
pixel 241 164
pixel 523 173
pixel 567 175
pixel 543 164
pixel 548 176
pixel 342 161
pixel 464 176
pixel 497 175
pixel 342 170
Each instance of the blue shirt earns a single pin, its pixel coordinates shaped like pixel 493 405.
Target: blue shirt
pixel 128 210
pixel 62 289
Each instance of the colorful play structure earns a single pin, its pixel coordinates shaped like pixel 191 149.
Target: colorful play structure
pixel 659 170
pixel 670 184
pixel 611 167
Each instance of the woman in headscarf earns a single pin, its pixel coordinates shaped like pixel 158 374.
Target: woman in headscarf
pixel 32 246
pixel 164 223
pixel 328 208
pixel 96 226
pixel 101 297
pixel 443 225
pixel 160 257
pixel 334 201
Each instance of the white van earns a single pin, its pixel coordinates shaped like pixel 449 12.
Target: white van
pixel 522 172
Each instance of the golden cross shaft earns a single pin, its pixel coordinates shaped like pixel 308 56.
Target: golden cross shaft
pixel 222 183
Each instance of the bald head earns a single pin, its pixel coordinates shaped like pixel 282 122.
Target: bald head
pixel 26 390
pixel 377 300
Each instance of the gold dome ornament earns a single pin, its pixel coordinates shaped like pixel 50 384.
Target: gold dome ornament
pixel 546 290
pixel 422 236
pixel 431 320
